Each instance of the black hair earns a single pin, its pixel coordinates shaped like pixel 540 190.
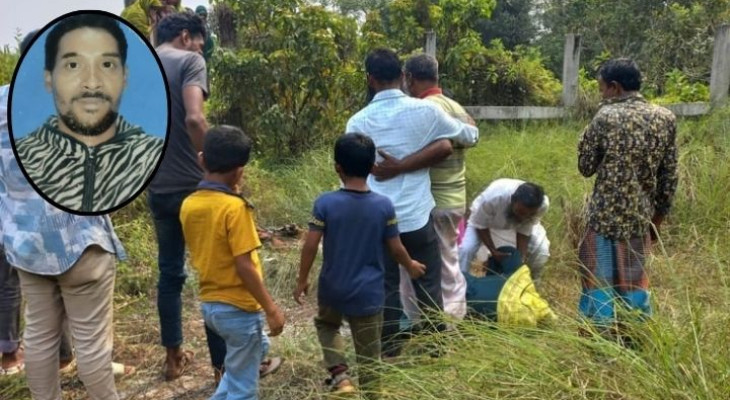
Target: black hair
pixel 172 26
pixel 423 67
pixel 624 71
pixel 78 21
pixel 26 41
pixel 355 153
pixel 383 65
pixel 529 194
pixel 225 148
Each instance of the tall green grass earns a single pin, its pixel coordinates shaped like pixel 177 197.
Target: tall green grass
pixel 684 353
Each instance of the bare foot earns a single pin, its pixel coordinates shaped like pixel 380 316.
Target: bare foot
pixel 176 362
pixel 14 359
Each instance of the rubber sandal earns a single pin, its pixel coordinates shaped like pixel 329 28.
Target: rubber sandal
pixel 269 366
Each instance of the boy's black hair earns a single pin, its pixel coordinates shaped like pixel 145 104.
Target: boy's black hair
pixel 355 153
pixel 172 26
pixel 26 41
pixel 78 21
pixel 225 148
pixel 622 70
pixel 529 194
pixel 383 65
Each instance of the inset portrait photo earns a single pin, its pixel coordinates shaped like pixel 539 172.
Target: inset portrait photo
pixel 88 113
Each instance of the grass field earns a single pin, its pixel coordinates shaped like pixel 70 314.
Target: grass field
pixel 685 355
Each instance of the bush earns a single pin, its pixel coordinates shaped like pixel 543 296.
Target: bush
pixel 8 60
pixel 493 75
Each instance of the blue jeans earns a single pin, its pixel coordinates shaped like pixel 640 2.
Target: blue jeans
pixel 246 347
pixel 165 210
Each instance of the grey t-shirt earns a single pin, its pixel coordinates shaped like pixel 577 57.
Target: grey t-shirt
pixel 179 170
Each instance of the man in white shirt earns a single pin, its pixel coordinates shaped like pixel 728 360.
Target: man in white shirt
pixel 508 213
pixel 401 126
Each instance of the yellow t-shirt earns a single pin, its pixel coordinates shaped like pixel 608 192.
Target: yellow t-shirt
pixel 138 14
pixel 218 227
pixel 448 177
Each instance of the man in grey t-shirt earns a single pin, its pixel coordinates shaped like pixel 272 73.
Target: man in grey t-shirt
pixel 181 37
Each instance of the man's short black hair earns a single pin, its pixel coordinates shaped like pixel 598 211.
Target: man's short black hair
pixel 225 148
pixel 624 71
pixel 26 41
pixel 383 65
pixel 423 67
pixel 529 195
pixel 78 21
pixel 355 153
pixel 174 24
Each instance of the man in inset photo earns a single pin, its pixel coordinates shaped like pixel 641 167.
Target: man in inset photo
pixel 87 158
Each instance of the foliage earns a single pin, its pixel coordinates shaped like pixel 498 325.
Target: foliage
pixel 8 60
pixel 475 73
pixel 660 35
pixel 679 89
pixel 496 76
pixel 291 79
pixel 511 22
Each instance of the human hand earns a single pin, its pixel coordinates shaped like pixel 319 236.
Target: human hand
pixel 275 320
pixel 388 168
pixel 416 269
pixel 301 289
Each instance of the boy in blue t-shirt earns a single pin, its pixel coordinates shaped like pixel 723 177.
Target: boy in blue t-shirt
pixel 357 226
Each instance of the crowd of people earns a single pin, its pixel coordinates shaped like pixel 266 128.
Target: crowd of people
pixel 397 238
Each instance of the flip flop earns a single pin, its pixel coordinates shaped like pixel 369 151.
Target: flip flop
pixel 185 360
pixel 120 369
pixel 16 369
pixel 269 366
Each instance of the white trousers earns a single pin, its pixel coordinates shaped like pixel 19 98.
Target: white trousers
pixel 453 284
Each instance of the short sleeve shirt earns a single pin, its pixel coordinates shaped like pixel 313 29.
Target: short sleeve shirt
pixel 356 226
pixel 490 209
pixel 179 170
pixel 219 227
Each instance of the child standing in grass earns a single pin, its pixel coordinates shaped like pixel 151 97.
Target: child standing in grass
pixel 221 234
pixel 357 226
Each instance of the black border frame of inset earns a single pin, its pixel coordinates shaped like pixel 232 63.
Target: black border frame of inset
pixel 147 182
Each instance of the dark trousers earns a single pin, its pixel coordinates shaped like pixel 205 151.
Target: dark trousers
pixel 165 210
pixel 422 245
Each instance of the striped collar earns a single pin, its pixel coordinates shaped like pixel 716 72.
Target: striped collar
pixel 50 133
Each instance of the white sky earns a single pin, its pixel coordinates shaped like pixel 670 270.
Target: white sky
pixel 27 15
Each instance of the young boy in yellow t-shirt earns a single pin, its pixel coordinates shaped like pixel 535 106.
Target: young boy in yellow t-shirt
pixel 221 235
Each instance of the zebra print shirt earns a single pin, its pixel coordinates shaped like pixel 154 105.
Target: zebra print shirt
pixel 89 179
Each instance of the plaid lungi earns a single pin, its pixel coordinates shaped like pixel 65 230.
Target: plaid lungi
pixel 613 273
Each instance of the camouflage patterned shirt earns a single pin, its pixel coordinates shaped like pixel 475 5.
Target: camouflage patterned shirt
pixel 630 147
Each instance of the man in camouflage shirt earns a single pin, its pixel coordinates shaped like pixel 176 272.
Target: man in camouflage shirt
pixel 630 147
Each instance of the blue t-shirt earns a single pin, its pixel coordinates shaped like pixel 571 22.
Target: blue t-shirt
pixel 356 226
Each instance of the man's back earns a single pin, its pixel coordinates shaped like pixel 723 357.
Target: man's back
pixel 401 126
pixel 356 226
pixel 635 165
pixel 179 170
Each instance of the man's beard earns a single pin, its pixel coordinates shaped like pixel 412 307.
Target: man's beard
pixel 370 95
pixel 76 126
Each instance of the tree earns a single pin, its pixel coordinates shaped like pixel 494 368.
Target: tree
pixel 512 22
pixel 476 73
pixel 660 35
pixel 291 77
